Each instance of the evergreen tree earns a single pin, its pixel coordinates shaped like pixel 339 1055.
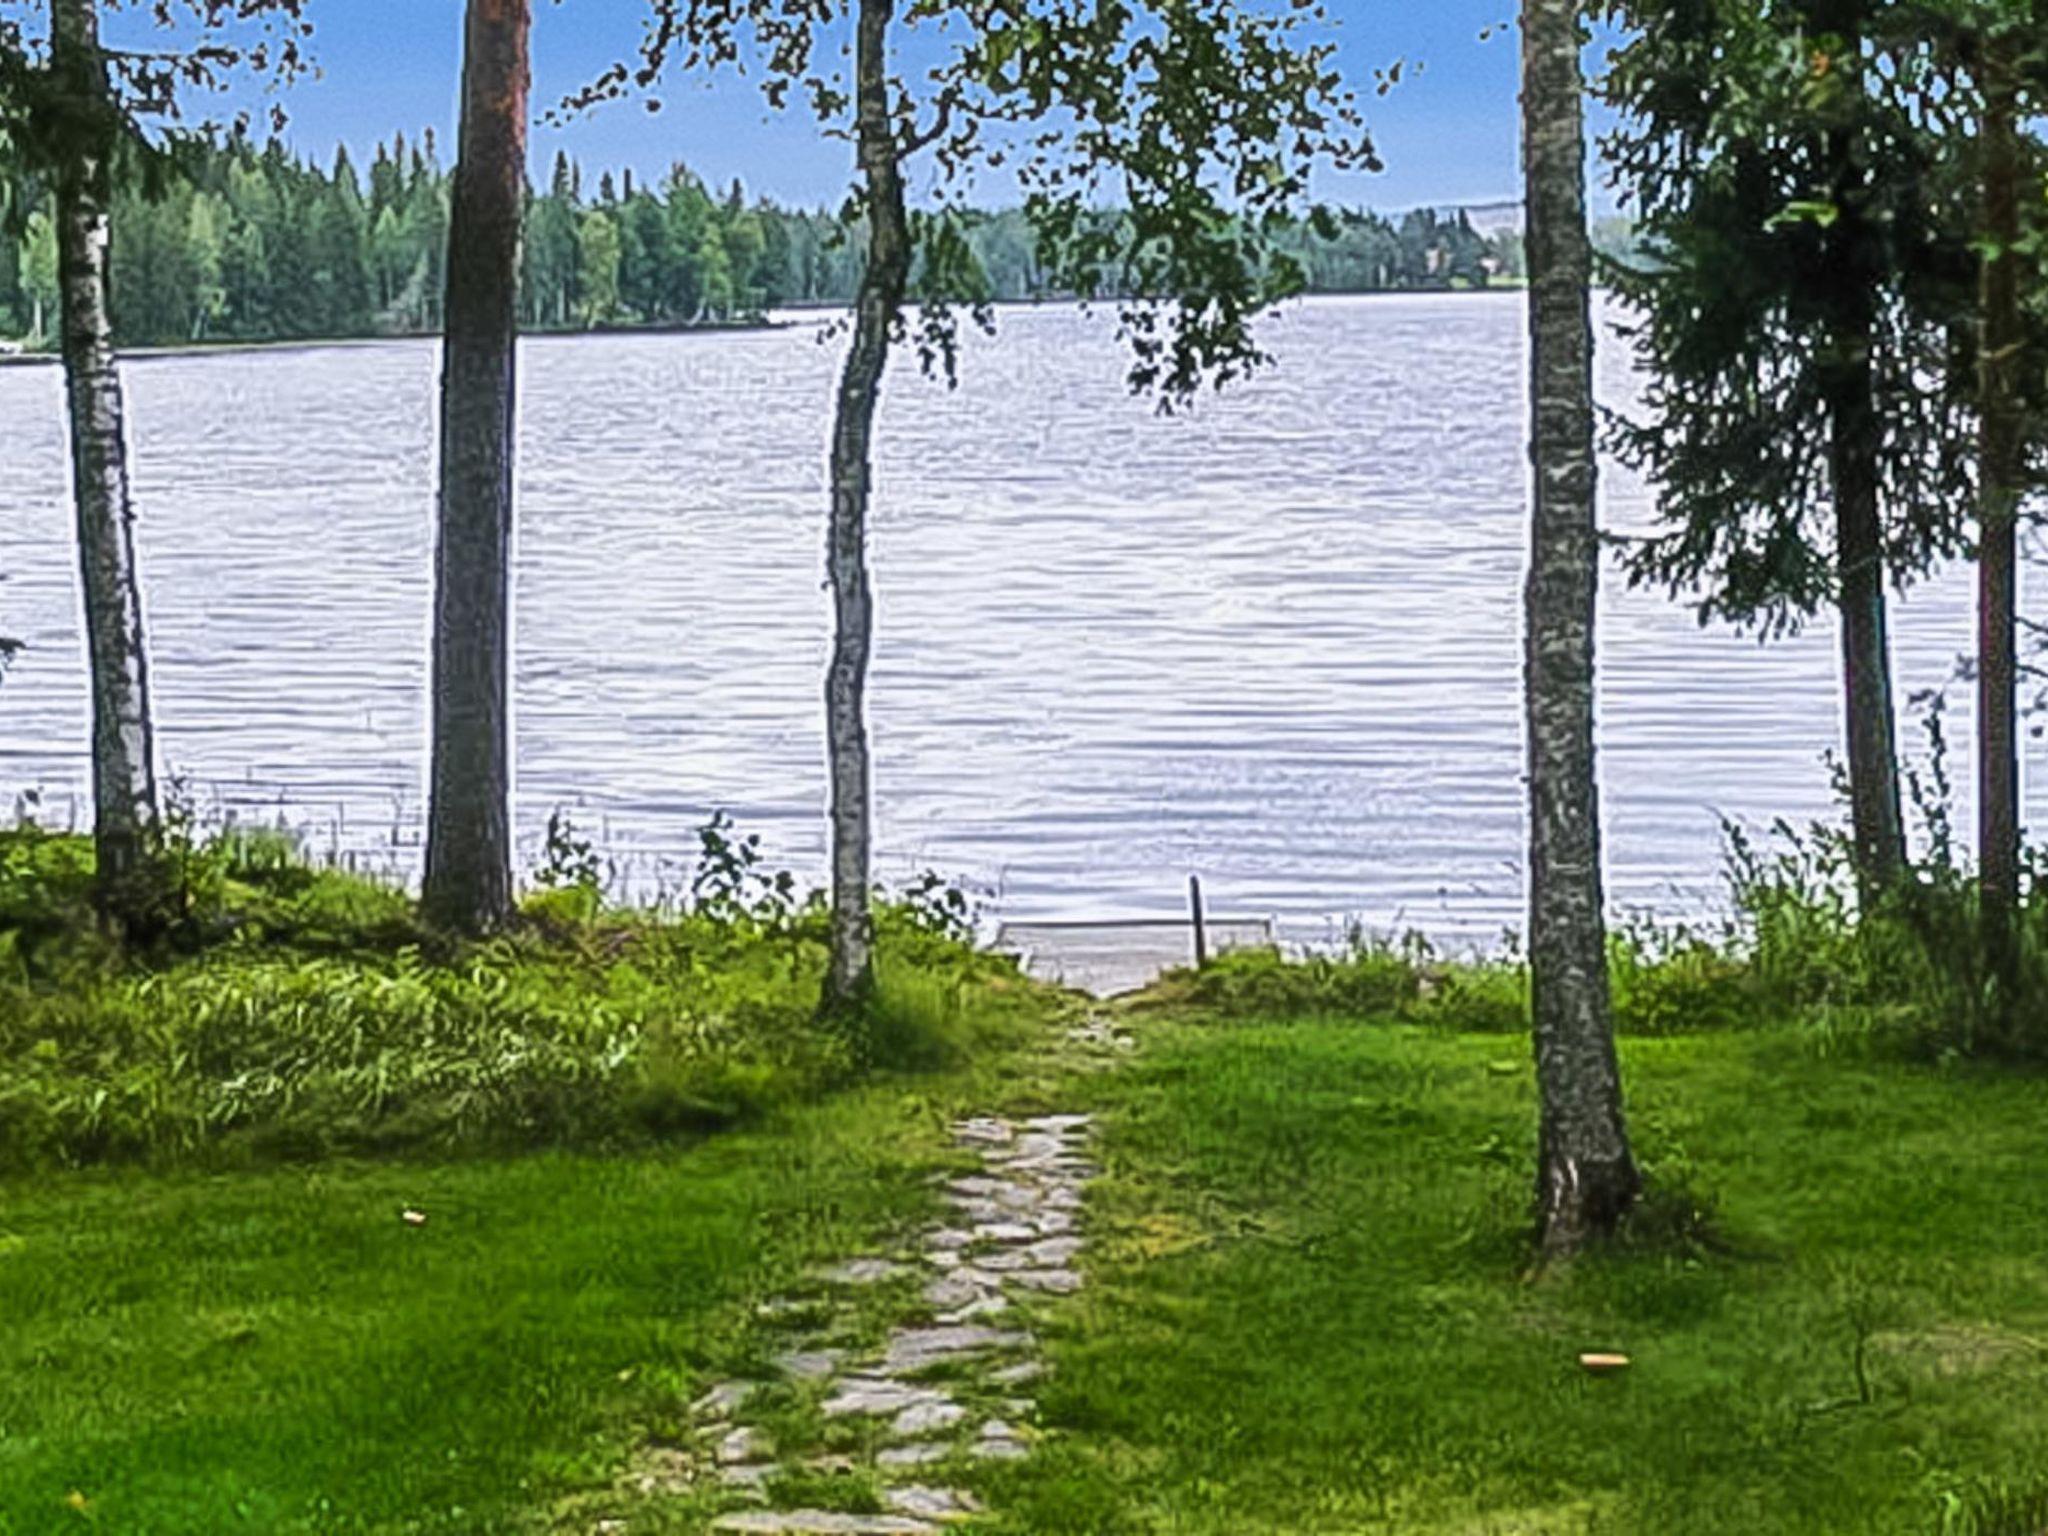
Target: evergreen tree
pixel 597 246
pixel 209 258
pixel 1806 429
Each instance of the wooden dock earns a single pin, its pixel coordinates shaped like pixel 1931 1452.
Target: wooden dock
pixel 1107 958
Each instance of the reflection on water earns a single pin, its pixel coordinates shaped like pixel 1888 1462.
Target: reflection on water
pixel 1273 641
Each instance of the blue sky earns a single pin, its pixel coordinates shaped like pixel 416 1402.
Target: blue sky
pixel 1447 132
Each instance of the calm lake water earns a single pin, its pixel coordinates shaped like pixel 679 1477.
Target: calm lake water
pixel 1274 641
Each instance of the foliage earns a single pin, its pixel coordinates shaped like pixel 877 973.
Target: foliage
pixel 1906 975
pixel 255 244
pixel 1756 258
pixel 1160 146
pixel 298 1010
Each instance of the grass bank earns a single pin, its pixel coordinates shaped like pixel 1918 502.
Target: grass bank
pixel 311 1222
pixel 1310 1311
pixel 292 1013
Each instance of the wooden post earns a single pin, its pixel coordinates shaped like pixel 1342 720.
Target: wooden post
pixel 1195 908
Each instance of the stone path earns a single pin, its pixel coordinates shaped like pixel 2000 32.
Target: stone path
pixel 895 1374
pixel 947 1385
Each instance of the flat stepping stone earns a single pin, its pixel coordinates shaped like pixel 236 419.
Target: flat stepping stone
pixel 955 1288
pixel 986 1306
pixel 1058 1123
pixel 1003 1260
pixel 810 1364
pixel 915 1348
pixel 751 1478
pixel 985 1130
pixel 927 1418
pixel 822 1522
pixel 979 1208
pixel 1004 1194
pixel 1016 1375
pixel 1054 1282
pixel 932 1503
pixel 1024 1148
pixel 1053 1252
pixel 724 1398
pixel 918 1455
pixel 948 1237
pixel 999 1442
pixel 873 1396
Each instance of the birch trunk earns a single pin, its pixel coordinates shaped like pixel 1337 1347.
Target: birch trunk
pixel 468 887
pixel 125 808
pixel 2001 470
pixel 850 976
pixel 1587 1178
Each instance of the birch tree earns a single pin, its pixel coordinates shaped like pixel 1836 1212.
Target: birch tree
pixel 1586 1175
pixel 468 885
pixel 126 812
pixel 68 106
pixel 1159 145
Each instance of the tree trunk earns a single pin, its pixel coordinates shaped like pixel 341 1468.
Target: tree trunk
pixel 850 976
pixel 125 809
pixel 468 885
pixel 2001 472
pixel 1587 1178
pixel 1855 443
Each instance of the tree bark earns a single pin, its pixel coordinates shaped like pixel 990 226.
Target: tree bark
pixel 2001 473
pixel 850 975
pixel 126 820
pixel 1855 443
pixel 468 887
pixel 1587 1178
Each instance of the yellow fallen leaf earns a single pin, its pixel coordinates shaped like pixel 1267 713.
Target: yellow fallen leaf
pixel 78 1501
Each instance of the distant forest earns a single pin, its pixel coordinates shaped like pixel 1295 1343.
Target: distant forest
pixel 252 244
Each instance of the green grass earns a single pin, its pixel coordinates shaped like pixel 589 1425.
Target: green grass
pixel 292 1013
pixel 1309 1310
pixel 277 1351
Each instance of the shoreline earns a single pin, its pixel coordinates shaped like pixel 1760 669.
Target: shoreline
pixel 28 359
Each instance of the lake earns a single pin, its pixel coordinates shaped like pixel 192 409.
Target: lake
pixel 1273 641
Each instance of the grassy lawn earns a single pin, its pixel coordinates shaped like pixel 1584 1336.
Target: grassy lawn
pixel 1308 1312
pixel 278 1351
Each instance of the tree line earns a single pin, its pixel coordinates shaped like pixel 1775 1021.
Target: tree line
pixel 235 241
pixel 1839 316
